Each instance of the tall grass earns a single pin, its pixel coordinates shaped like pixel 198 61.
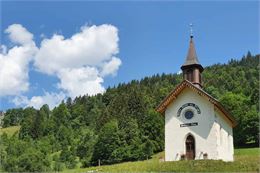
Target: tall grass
pixel 246 160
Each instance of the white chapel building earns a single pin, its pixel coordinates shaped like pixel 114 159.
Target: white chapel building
pixel 197 126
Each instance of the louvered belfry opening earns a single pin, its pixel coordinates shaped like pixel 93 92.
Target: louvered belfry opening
pixel 192 69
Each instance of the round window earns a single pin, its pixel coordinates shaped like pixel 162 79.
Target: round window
pixel 188 114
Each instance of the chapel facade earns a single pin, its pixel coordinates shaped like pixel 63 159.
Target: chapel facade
pixel 197 126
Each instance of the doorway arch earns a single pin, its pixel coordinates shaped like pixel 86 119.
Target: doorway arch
pixel 190 147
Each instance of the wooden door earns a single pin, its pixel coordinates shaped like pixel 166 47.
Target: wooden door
pixel 190 148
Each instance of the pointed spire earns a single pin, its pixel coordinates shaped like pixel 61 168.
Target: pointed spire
pixel 191 58
pixel 191 68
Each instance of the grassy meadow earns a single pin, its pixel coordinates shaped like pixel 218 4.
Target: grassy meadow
pixel 246 160
pixel 9 130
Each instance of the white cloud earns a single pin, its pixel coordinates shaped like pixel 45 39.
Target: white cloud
pixel 90 47
pixel 15 61
pixel 52 99
pixel 20 100
pixel 111 67
pixel 81 61
pixel 19 34
pixel 79 81
pixel 179 72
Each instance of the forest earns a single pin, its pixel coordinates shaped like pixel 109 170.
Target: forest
pixel 122 124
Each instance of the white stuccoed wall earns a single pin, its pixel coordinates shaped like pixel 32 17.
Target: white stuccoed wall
pixel 206 134
pixel 225 145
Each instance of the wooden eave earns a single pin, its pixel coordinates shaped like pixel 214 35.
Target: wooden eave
pixel 185 83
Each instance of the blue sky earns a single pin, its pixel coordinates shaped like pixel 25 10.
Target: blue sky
pixel 152 38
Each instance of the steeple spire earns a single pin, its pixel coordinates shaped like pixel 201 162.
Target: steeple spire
pixel 192 55
pixel 191 68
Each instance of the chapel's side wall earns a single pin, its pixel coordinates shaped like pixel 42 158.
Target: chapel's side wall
pixel 224 132
pixel 205 133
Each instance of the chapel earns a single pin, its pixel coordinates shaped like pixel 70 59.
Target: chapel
pixel 197 126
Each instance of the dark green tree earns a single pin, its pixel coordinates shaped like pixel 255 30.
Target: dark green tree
pixel 13 117
pixel 27 123
pixel 68 156
pixel 85 147
pixel 107 142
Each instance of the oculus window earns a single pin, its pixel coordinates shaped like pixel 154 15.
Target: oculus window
pixel 189 114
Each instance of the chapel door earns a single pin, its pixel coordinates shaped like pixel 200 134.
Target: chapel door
pixel 190 148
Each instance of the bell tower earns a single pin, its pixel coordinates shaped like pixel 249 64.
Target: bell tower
pixel 192 69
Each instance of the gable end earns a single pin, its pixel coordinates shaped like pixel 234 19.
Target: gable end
pixel 174 94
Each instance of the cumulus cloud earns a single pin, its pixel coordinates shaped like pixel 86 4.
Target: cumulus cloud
pixel 90 47
pixel 52 99
pixel 111 67
pixel 15 61
pixel 81 62
pixel 79 81
pixel 19 34
pixel 179 72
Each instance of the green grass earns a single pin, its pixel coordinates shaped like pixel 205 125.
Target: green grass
pixel 246 160
pixel 247 152
pixel 10 130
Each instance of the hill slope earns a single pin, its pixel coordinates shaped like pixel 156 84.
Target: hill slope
pixel 121 125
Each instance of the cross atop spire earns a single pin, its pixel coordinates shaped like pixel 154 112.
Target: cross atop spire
pixel 191 30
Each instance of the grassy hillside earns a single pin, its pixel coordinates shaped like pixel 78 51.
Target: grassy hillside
pixel 246 160
pixel 10 130
pixel 121 126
